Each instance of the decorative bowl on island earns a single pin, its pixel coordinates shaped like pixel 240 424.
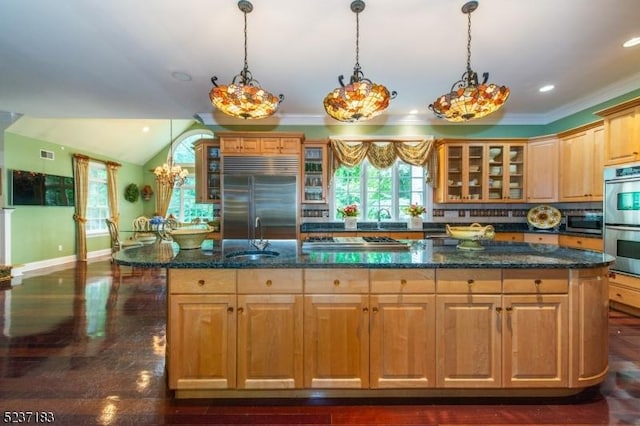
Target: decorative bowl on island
pixel 470 235
pixel 190 238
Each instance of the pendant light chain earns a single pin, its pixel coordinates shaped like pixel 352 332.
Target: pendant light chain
pixel 358 41
pixel 246 63
pixel 469 43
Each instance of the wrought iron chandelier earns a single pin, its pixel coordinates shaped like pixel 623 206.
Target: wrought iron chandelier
pixel 244 98
pixel 170 174
pixel 469 99
pixel 360 99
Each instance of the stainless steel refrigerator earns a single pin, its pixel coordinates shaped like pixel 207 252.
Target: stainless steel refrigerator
pixel 264 187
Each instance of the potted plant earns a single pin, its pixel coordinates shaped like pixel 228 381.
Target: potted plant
pixel 350 216
pixel 415 212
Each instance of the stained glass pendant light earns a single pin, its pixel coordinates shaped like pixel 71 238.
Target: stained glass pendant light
pixel 469 99
pixel 360 99
pixel 244 98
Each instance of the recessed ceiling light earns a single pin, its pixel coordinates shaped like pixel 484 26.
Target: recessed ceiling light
pixel 413 112
pixel 182 76
pixel 145 129
pixel 631 42
pixel 547 88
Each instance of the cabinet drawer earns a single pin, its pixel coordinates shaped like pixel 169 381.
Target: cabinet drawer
pixel 270 281
pixel 541 238
pixel 202 281
pixel 624 295
pixel 336 281
pixel 469 280
pixel 402 281
pixel 581 242
pixel 624 280
pixel 535 281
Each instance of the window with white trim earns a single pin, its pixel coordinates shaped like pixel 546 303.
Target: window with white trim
pixel 97 200
pixel 379 194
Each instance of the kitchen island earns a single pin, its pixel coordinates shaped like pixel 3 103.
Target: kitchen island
pixel 512 320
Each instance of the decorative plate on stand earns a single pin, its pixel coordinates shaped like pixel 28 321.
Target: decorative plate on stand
pixel 544 217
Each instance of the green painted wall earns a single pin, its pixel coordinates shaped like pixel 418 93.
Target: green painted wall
pixel 37 231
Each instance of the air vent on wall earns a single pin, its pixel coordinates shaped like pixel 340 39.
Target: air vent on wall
pixel 47 155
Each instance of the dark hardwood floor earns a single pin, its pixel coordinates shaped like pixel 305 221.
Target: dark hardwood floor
pixel 89 348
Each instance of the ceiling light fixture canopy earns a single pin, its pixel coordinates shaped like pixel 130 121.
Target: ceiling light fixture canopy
pixel 469 99
pixel 244 98
pixel 361 99
pixel 170 174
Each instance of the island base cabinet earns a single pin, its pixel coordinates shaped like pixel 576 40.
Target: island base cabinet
pixel 202 342
pixel 535 344
pixel 468 341
pixel 270 341
pixel 402 352
pixel 336 341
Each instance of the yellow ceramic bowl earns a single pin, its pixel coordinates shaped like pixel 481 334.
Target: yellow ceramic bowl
pixel 189 238
pixel 473 232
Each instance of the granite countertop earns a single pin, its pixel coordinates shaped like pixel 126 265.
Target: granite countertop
pixel 421 254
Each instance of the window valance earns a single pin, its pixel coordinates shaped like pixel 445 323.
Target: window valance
pixel 382 153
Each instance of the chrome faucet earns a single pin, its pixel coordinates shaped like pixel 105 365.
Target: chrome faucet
pixel 262 244
pixel 380 214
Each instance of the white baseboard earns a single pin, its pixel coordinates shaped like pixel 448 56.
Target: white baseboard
pixel 18 270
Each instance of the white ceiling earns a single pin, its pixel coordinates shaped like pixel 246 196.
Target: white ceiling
pixel 89 59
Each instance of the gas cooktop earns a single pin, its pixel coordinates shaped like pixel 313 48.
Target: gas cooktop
pixel 353 243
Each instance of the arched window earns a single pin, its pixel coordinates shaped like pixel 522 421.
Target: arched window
pixel 183 201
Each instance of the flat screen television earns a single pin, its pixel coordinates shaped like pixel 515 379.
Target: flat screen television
pixel 40 189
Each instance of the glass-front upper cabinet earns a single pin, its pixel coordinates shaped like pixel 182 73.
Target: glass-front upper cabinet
pixel 207 153
pixel 464 171
pixel 314 175
pixel 506 172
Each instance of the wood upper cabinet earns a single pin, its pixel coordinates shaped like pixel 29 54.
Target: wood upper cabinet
pixel 622 132
pixel 260 143
pixel 542 170
pixel 270 319
pixel 208 169
pixel 581 164
pixel 481 171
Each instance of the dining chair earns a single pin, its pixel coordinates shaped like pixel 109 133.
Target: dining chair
pixel 142 230
pixel 116 243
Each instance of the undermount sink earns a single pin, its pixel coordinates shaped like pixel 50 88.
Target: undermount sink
pixel 252 255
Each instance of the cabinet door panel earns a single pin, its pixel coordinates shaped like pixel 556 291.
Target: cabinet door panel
pixel 202 342
pixel 270 341
pixel 336 341
pixel 537 322
pixel 468 341
pixel 402 341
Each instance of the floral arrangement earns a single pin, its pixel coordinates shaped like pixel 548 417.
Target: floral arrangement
pixel 414 210
pixel 156 220
pixel 349 211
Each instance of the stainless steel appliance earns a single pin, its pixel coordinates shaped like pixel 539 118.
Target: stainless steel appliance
pixel 589 223
pixel 622 217
pixel 264 188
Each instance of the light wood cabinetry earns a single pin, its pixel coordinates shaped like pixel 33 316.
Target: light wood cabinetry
pixel 208 169
pixel 336 328
pixel 581 163
pixel 270 318
pixel 584 243
pixel 402 327
pixel 624 292
pixel 509 236
pixel 484 339
pixel 482 171
pixel 201 333
pixel 622 132
pixel 538 238
pixel 315 173
pixel 242 332
pixel 542 170
pixel 260 143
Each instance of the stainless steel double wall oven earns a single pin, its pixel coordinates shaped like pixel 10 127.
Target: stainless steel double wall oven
pixel 622 217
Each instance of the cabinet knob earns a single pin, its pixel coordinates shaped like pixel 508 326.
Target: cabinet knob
pixel 269 283
pixel 200 283
pixel 240 310
pixel 403 282
pixel 499 310
pixel 230 309
pixel 470 281
pixel 365 309
pixel 336 283
pixel 375 309
pixel 537 282
pixel 509 309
